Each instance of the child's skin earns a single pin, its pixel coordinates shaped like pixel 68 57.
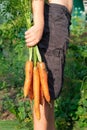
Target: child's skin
pixel 32 37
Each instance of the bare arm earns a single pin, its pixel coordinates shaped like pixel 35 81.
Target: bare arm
pixel 38 11
pixel 34 34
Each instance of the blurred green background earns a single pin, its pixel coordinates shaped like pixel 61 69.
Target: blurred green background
pixel 71 106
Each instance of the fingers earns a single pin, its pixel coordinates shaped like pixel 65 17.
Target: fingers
pixel 30 40
pixel 31 44
pixel 27 34
pixel 33 35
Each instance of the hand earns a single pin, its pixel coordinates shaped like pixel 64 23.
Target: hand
pixel 33 35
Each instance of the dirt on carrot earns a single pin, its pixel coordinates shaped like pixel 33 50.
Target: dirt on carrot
pixel 28 77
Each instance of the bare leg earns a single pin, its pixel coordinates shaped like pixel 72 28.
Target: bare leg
pixel 47 117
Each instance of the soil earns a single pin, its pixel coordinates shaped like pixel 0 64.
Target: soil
pixel 5 114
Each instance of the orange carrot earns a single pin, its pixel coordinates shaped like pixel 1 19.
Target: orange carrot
pixel 44 80
pixel 41 96
pixel 28 77
pixel 36 91
pixel 30 94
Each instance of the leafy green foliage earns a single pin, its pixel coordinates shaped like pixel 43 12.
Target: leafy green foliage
pixel 13 125
pixel 71 106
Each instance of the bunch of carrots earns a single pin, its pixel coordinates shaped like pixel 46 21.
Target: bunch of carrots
pixel 36 77
pixel 36 80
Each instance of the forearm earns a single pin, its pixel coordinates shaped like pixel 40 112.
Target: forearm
pixel 34 34
pixel 38 12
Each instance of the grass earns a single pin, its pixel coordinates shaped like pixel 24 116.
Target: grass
pixel 11 125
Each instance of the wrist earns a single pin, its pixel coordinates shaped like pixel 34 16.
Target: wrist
pixel 39 24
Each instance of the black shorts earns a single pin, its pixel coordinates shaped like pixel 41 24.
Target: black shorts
pixel 54 43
